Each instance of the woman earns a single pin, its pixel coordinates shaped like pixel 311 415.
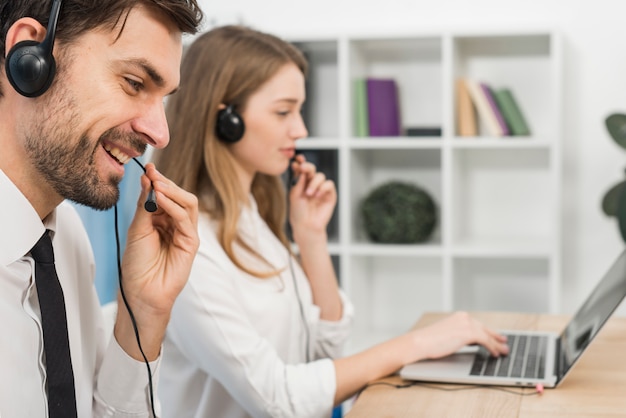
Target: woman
pixel 254 332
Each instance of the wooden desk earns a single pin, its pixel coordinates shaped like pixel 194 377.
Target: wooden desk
pixel 595 387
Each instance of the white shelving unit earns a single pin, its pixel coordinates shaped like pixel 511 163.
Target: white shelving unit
pixel 497 242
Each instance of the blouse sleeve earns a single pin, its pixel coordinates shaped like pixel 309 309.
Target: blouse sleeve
pixel 331 336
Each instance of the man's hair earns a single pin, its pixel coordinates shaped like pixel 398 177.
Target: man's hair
pixel 79 16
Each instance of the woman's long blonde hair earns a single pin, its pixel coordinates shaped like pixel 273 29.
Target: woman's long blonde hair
pixel 224 66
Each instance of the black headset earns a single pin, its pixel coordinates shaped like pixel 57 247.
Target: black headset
pixel 30 66
pixel 229 127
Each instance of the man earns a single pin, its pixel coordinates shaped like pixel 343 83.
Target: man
pixel 116 60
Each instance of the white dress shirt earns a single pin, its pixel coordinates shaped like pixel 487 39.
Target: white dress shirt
pixel 108 382
pixel 236 344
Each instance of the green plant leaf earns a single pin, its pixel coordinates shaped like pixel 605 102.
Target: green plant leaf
pixel 616 125
pixel 621 215
pixel 611 199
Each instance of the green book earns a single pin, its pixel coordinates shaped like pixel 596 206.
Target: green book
pixel 361 118
pixel 511 112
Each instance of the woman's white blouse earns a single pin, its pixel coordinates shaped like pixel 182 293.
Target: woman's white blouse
pixel 236 345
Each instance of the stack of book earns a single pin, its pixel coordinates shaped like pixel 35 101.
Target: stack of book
pixel 377 109
pixel 496 109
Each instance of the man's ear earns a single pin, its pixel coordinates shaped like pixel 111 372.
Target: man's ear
pixel 24 29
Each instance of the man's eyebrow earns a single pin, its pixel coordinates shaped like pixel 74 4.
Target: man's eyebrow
pixel 147 68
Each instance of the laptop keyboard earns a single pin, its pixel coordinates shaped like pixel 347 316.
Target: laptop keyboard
pixel 526 359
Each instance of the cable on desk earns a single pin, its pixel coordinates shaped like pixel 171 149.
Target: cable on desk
pixel 538 387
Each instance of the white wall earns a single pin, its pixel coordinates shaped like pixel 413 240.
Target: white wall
pixel 594 38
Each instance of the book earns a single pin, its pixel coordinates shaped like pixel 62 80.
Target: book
pixel 465 111
pixel 511 112
pixel 383 107
pixel 495 109
pixel 423 131
pixel 361 119
pixel 483 109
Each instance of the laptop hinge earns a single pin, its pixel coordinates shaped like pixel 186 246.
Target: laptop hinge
pixel 558 360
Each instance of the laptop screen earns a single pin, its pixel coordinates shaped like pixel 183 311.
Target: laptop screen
pixel 596 310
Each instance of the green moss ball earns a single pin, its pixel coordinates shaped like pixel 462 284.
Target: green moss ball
pixel 399 213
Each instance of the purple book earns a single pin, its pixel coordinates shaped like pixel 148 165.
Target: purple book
pixel 383 107
pixel 495 109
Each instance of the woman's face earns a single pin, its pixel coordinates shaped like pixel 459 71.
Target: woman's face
pixel 273 123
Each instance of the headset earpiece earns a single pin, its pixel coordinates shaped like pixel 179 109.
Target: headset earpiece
pixel 29 70
pixel 229 127
pixel 30 65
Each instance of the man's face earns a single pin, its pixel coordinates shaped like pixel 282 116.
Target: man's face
pixel 105 105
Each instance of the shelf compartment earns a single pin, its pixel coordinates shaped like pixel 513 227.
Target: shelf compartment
pixel 321 108
pixel 523 63
pixel 390 294
pixel 501 284
pixel 504 196
pixel 416 66
pixel 372 168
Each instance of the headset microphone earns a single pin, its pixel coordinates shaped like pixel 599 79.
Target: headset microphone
pixel 150 205
pixel 292 179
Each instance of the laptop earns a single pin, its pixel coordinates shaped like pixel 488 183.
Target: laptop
pixel 534 357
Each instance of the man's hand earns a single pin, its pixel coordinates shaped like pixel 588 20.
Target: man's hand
pixel 160 249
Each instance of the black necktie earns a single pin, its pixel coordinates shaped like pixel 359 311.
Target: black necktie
pixel 61 393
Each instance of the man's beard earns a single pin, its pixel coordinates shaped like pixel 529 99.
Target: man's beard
pixel 70 168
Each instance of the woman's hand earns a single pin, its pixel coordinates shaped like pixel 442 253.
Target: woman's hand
pixel 312 199
pixel 448 335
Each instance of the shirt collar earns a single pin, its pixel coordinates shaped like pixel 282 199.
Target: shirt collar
pixel 19 224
